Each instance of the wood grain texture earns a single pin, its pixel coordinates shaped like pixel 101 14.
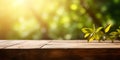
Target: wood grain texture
pixel 66 44
pixel 59 50
pixel 29 44
pixel 4 44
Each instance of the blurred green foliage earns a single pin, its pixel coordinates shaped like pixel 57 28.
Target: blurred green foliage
pixel 115 34
pixel 55 19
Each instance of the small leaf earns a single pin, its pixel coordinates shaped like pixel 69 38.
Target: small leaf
pixel 84 30
pixel 113 33
pixel 118 30
pixel 97 37
pixel 86 35
pixel 91 38
pixel 107 28
pixel 98 29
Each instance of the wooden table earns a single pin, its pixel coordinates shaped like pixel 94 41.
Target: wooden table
pixel 58 50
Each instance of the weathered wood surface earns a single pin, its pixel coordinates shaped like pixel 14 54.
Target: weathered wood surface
pixel 29 45
pixel 5 43
pixel 59 44
pixel 58 50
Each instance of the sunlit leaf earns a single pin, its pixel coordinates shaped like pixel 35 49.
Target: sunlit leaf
pixel 91 38
pixel 86 35
pixel 113 33
pixel 107 28
pixel 84 30
pixel 118 30
pixel 98 29
pixel 90 30
pixel 97 37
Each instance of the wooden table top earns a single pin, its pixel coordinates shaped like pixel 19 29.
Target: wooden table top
pixel 55 44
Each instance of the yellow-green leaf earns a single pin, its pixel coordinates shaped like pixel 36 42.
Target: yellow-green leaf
pixel 98 29
pixel 107 28
pixel 97 37
pixel 91 39
pixel 113 33
pixel 86 35
pixel 84 30
pixel 118 30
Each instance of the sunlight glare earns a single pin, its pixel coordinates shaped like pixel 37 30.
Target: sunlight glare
pixel 18 3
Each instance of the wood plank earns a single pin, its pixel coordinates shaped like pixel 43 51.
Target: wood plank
pixel 69 41
pixel 10 43
pixel 76 44
pixel 30 44
pixel 59 50
pixel 3 41
pixel 83 41
pixel 48 44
